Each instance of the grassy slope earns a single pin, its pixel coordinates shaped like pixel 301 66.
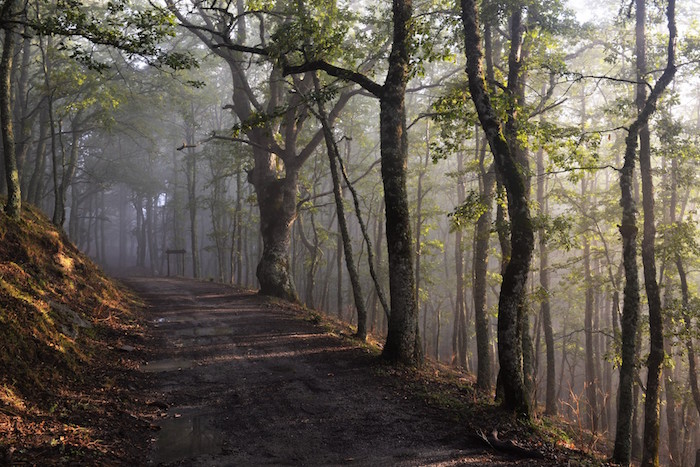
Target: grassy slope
pixel 58 312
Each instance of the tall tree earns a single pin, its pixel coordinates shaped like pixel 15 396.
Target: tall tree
pixel 334 162
pixel 403 342
pixel 510 305
pixel 628 229
pixel 271 128
pixel 13 204
pixel 591 377
pixel 482 235
pixel 545 307
pixel 650 451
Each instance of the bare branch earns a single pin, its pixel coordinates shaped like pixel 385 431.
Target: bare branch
pixel 338 72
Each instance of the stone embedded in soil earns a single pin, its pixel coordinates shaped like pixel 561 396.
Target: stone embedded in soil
pixel 170 364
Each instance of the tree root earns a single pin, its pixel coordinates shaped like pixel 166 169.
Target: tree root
pixel 507 446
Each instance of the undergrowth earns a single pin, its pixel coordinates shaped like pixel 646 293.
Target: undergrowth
pixel 55 305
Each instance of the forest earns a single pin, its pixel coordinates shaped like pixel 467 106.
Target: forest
pixel 507 187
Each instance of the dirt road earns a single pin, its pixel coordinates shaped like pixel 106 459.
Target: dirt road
pixel 243 382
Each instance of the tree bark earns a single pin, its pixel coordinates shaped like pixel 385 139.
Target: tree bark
pixel 522 237
pixel 13 205
pixel 628 230
pixel 402 342
pixel 545 309
pixel 458 328
pixel 650 451
pixel 36 180
pixel 482 234
pixel 333 160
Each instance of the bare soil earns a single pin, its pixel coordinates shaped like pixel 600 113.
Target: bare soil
pixel 236 379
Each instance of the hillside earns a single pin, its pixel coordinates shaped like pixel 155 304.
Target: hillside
pixel 62 321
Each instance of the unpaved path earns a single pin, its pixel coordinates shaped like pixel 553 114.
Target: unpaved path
pixel 243 382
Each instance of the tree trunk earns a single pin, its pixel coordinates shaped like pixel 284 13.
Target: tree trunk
pixel 333 160
pixel 419 225
pixel 24 114
pixel 591 381
pixel 339 268
pixel 628 230
pixel 459 272
pixel 591 377
pixel 312 266
pixel 545 309
pixel 522 239
pixel 13 205
pixel 482 235
pixel 379 293
pixel 690 348
pixel 66 178
pixel 650 452
pixel 277 203
pixel 122 199
pixel 402 342
pixel 36 181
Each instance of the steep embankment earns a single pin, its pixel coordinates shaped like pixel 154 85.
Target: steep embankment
pixel 62 321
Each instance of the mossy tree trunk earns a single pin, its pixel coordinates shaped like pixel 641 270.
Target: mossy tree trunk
pixel 628 229
pixel 13 206
pixel 510 305
pixel 650 450
pixel 403 342
pixel 277 155
pixel 277 204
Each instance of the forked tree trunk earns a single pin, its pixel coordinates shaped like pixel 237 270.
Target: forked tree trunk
pixel 650 450
pixel 522 238
pixel 628 229
pixel 403 342
pixel 333 160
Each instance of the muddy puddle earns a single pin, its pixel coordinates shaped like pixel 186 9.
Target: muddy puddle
pixel 186 433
